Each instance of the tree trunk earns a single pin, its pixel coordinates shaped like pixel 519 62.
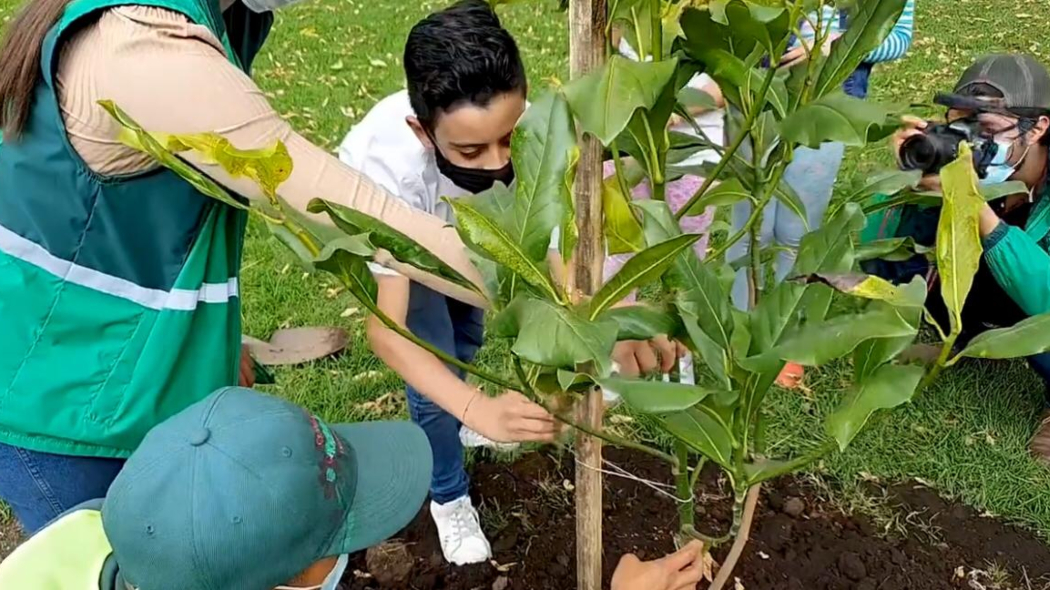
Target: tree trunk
pixel 586 53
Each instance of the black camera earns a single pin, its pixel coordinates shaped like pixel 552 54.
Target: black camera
pixel 939 146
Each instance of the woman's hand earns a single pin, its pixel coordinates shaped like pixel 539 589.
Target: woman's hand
pixel 246 378
pixel 913 126
pixel 801 53
pixel 679 571
pixel 643 357
pixel 510 417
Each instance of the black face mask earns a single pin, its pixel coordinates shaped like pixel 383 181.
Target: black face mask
pixel 475 180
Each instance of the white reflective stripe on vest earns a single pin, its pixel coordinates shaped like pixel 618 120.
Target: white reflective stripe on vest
pixel 30 252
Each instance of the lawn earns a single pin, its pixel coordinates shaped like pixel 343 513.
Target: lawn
pixel 330 60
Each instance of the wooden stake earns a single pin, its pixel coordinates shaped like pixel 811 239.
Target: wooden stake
pixel 586 53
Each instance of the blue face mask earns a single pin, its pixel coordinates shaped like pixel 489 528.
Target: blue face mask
pixel 999 169
pixel 330 582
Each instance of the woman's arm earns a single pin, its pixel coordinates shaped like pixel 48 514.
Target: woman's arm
pixel 172 76
pixel 1018 263
pixel 898 41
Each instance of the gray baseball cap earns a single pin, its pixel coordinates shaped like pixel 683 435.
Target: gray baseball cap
pixel 1021 79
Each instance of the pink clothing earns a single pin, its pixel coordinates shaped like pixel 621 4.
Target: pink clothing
pixel 678 193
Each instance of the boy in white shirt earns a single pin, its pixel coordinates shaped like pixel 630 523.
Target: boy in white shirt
pixel 448 135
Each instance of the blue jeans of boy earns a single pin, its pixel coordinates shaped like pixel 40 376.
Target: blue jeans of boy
pixel 456 328
pixel 39 487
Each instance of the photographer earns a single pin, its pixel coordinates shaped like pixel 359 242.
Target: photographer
pixel 1001 106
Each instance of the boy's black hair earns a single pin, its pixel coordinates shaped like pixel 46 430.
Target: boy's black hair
pixel 1027 116
pixel 460 54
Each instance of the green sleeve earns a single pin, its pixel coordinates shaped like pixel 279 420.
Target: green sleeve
pixel 1021 266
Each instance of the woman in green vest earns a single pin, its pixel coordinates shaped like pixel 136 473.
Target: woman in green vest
pixel 119 281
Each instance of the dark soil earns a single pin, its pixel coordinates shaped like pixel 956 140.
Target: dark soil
pixel 798 542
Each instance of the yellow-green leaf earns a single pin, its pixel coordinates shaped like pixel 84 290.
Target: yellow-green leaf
pixel 623 233
pixel 494 241
pixel 958 238
pixel 133 135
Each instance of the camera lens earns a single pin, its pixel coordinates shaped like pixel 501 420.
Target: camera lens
pixel 918 153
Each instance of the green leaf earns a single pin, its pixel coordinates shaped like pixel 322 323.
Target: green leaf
pixel 656 397
pixel 714 356
pixel 605 100
pixel 991 192
pixel 893 249
pixel 818 343
pixel 543 147
pixel 703 32
pixel 697 291
pixel 869 287
pixel 765 26
pixel 786 196
pixel 838 117
pixel 872 354
pixel 641 322
pixel 555 336
pixel 623 233
pixel 401 247
pixel 690 97
pixel 643 268
pixel 573 381
pixel 351 269
pixel 724 193
pixel 888 387
pixel 736 80
pixel 827 249
pixel 268 167
pixel 889 182
pixel 138 138
pixel 1026 338
pixel 869 25
pixel 494 240
pixel 761 470
pixel 704 431
pixel 958 239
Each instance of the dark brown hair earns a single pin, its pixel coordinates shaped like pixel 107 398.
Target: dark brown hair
pixel 20 61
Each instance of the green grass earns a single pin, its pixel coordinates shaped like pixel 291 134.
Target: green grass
pixel 330 60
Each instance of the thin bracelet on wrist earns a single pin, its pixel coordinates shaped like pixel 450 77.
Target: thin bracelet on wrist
pixel 466 408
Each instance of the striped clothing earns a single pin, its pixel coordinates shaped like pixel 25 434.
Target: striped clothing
pixel 893 47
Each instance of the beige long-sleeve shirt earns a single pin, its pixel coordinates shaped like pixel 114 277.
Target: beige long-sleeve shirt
pixel 173 76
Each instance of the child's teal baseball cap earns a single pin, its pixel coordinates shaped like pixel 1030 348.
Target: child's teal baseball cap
pixel 244 491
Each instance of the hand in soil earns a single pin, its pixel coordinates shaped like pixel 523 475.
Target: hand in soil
pixel 247 368
pixel 510 417
pixel 679 571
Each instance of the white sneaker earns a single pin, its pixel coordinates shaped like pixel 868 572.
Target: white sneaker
pixel 611 398
pixel 459 530
pixel 471 439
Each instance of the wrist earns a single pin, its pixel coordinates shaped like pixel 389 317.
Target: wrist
pixel 471 403
pixel 987 221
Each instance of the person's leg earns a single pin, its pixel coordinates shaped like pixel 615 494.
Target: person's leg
pixel 428 318
pixel 431 317
pixel 740 214
pixel 812 175
pixel 41 486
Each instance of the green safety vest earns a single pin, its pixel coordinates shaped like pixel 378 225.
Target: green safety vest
pixel 120 301
pixel 69 554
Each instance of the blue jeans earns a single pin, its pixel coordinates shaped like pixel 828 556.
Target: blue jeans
pixel 41 486
pixel 456 328
pixel 812 174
